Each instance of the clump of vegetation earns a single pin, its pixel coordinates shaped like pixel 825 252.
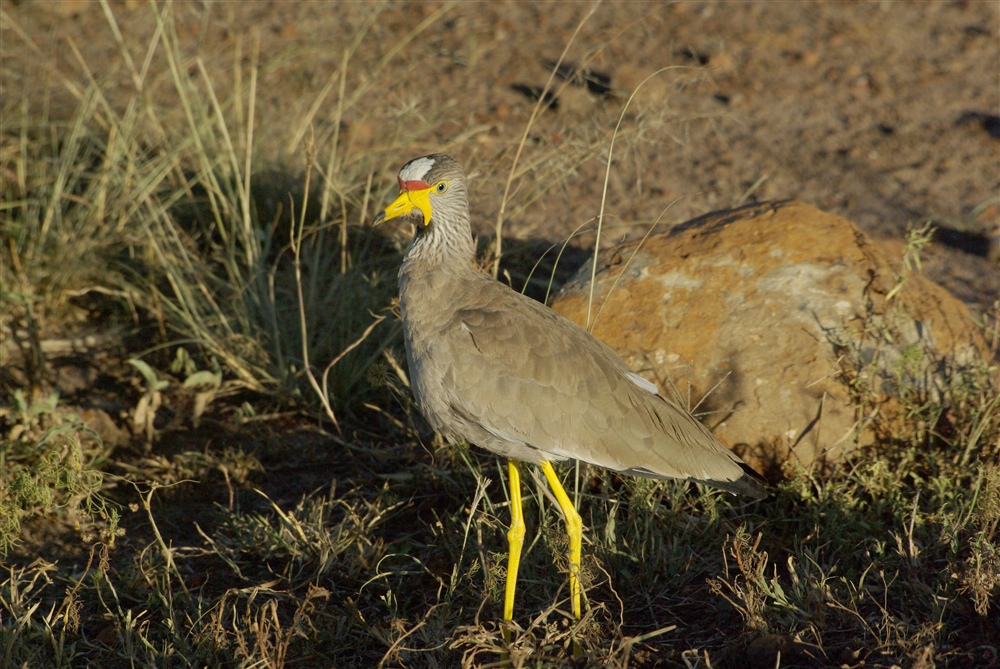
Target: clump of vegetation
pixel 50 462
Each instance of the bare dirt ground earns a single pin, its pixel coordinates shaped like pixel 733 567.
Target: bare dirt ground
pixel 882 112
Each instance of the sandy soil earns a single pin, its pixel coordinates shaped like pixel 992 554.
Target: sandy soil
pixel 882 112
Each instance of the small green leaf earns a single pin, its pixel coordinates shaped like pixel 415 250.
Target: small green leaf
pixel 152 379
pixel 203 378
pixel 22 404
pixel 182 364
pixel 46 406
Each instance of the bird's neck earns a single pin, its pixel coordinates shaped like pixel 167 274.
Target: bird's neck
pixel 438 270
pixel 443 247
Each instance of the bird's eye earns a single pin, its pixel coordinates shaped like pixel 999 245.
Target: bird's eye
pixel 441 187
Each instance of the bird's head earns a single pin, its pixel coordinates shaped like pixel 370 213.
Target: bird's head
pixel 429 187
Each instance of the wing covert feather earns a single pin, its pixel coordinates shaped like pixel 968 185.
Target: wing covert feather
pixel 531 376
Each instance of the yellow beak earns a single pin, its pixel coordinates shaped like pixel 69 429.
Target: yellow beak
pixel 407 201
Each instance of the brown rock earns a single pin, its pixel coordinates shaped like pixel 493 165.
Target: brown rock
pixel 107 635
pixel 757 313
pixel 98 420
pixel 768 650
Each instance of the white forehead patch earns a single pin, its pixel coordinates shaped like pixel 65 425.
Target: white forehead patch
pixel 416 170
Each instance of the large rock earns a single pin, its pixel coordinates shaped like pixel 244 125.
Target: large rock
pixel 762 314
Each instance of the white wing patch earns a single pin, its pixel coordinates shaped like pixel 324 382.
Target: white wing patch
pixel 648 386
pixel 416 170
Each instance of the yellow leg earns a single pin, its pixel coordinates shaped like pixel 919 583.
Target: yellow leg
pixel 574 528
pixel 515 540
